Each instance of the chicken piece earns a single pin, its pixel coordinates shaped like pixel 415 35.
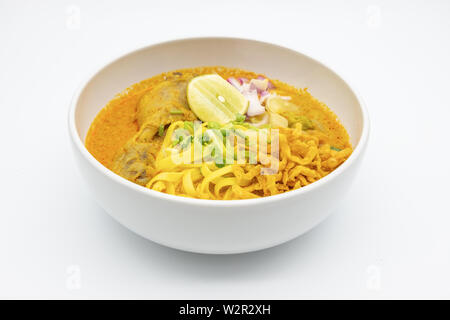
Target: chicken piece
pixel 164 104
pixel 133 160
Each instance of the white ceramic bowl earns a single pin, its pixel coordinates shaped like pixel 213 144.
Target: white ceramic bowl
pixel 212 226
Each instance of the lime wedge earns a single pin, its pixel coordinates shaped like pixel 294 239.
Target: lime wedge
pixel 212 98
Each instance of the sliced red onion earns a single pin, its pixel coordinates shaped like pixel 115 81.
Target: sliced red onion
pixel 260 84
pixel 247 87
pixel 263 96
pixel 269 85
pixel 254 107
pixel 243 80
pixel 235 83
pixel 250 91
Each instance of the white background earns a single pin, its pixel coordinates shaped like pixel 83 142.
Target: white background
pixel 390 238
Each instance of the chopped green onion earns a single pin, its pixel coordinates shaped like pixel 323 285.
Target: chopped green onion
pixel 176 111
pixel 335 149
pixel 175 142
pixel 249 126
pixel 205 139
pixel 224 135
pixel 187 142
pixel 213 125
pixel 189 125
pixel 161 130
pixel 240 117
pixel 220 165
pixel 220 162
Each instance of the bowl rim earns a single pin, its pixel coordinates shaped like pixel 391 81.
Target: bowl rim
pixel 80 146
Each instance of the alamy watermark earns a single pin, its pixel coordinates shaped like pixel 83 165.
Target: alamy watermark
pixel 73 19
pixel 373 280
pixel 73 277
pixel 224 146
pixel 373 17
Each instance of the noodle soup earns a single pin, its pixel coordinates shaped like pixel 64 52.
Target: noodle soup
pixel 218 133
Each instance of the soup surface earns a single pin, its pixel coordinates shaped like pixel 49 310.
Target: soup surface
pixel 218 133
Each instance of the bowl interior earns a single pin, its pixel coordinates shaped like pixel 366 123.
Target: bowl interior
pixel 274 61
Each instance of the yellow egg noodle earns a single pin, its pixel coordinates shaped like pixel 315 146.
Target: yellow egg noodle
pixel 301 162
